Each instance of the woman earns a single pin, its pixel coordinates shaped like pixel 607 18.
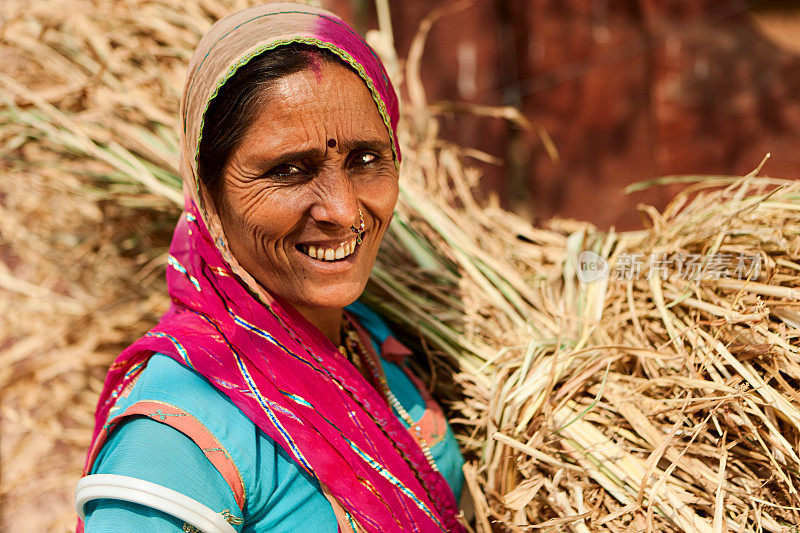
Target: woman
pixel 258 403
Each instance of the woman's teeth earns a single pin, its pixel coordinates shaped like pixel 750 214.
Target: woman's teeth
pixel 330 253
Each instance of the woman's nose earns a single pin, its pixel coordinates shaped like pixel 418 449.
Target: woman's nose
pixel 336 204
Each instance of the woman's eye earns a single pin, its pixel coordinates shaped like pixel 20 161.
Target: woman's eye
pixel 364 159
pixel 285 171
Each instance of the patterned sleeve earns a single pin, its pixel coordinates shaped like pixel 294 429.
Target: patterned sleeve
pixel 155 452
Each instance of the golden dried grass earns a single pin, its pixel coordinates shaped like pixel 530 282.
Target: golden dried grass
pixel 656 403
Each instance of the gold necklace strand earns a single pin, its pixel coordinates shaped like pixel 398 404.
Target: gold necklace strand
pixel 377 372
pixel 346 390
pixel 351 354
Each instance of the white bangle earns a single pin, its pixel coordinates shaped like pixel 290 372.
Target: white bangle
pixel 130 489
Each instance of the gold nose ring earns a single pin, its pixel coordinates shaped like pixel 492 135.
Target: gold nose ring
pixel 360 229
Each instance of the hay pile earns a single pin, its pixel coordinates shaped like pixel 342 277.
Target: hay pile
pixel 652 403
pixel 662 400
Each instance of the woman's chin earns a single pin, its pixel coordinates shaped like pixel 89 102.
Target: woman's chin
pixel 328 296
pixel 330 284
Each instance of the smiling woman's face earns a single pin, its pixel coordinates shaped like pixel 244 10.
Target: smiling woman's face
pixel 315 154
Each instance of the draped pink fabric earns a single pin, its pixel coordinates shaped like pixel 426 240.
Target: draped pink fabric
pixel 275 366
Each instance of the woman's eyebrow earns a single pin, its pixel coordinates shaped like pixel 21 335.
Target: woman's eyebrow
pixel 379 145
pixel 263 162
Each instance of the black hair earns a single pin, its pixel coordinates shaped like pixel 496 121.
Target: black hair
pixel 231 112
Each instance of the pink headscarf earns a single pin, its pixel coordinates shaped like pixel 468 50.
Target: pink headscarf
pixel 270 361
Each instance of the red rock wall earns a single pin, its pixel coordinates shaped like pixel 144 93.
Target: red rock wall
pixel 627 90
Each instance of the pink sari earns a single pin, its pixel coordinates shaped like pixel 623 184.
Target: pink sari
pixel 275 366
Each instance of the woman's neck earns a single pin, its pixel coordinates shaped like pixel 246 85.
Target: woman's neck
pixel 328 321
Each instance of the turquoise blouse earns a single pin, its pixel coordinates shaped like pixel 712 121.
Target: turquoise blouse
pixel 279 495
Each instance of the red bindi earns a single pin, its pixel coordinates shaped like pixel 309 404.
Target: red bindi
pixel 315 65
pixel 332 143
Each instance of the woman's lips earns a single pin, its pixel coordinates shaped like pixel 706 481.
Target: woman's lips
pixel 330 252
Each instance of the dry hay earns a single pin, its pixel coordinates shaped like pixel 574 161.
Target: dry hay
pixel 657 402
pixel 639 403
pixel 82 244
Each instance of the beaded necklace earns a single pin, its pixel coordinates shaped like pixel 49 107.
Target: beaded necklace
pixel 352 396
pixel 357 354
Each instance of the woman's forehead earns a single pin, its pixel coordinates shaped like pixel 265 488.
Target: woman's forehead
pixel 239 37
pixel 328 98
pixel 332 85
